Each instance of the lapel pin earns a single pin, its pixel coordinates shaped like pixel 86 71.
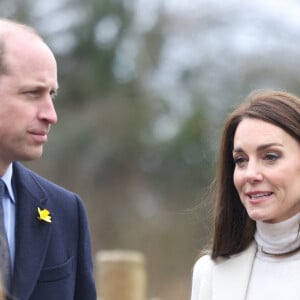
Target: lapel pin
pixel 44 215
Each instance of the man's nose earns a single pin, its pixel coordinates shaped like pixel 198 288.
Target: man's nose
pixel 47 110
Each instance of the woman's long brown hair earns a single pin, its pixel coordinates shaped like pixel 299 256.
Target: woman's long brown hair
pixel 233 229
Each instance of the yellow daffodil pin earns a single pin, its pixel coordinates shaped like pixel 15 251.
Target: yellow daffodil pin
pixel 44 215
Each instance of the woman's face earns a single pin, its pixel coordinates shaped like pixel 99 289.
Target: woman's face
pixel 267 170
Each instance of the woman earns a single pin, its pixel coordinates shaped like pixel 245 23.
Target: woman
pixel 255 252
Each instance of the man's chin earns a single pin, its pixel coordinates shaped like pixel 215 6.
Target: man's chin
pixel 31 156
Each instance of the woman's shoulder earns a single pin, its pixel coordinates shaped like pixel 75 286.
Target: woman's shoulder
pixel 206 262
pixel 202 278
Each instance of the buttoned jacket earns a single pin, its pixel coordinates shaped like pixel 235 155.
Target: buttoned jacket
pixel 53 261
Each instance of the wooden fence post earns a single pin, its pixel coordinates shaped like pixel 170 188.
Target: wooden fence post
pixel 120 275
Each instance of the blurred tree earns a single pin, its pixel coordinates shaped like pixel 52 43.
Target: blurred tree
pixel 145 87
pixel 110 146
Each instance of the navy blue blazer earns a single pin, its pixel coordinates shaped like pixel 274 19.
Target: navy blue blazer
pixel 53 261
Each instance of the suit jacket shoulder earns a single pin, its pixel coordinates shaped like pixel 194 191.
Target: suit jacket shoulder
pixel 52 260
pixel 25 175
pixel 223 278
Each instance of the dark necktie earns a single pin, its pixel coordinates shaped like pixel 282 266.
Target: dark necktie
pixel 4 248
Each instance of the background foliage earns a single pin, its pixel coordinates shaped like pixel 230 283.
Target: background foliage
pixel 144 89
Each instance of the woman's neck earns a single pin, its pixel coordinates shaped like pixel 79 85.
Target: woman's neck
pixel 278 238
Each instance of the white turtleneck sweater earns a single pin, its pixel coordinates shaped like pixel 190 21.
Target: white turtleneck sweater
pixel 276 278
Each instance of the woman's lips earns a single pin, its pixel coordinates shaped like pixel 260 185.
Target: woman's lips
pixel 258 197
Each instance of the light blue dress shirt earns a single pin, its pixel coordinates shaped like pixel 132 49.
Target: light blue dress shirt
pixel 9 209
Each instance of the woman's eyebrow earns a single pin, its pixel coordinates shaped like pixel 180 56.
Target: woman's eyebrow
pixel 259 148
pixel 264 146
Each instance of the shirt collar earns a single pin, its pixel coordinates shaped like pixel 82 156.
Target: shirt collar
pixel 7 179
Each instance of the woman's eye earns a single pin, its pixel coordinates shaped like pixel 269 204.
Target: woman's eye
pixel 239 160
pixel 272 157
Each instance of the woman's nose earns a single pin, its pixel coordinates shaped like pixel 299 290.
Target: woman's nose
pixel 253 172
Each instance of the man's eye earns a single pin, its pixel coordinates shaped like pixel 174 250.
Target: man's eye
pixel 32 92
pixel 53 94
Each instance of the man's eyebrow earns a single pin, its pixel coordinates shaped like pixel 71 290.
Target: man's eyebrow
pixel 38 85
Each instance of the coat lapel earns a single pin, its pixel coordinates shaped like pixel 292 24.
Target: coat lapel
pixel 231 277
pixel 31 236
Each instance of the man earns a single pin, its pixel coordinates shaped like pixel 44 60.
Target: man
pixel 46 225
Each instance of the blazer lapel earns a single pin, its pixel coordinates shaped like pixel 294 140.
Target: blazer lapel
pixel 231 277
pixel 32 236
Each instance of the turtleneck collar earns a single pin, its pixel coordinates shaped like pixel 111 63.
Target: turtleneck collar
pixel 279 237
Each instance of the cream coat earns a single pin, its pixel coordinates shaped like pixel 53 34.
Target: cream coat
pixel 224 278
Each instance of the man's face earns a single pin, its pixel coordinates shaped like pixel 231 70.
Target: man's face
pixel 26 98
